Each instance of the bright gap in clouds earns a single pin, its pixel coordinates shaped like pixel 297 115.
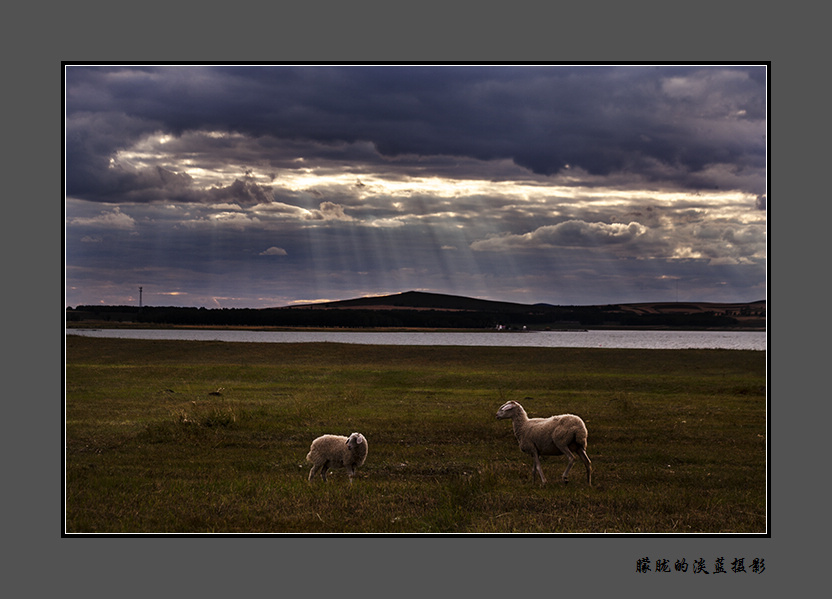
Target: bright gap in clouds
pixel 469 237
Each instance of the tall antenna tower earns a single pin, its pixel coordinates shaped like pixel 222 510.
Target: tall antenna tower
pixel 140 298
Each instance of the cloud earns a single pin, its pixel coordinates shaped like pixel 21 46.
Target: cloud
pixel 761 202
pixel 113 219
pixel 274 251
pixel 571 233
pixel 329 211
pixel 243 193
pixel 376 178
pixel 669 123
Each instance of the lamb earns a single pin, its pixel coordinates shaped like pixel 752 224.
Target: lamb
pixel 336 451
pixel 555 435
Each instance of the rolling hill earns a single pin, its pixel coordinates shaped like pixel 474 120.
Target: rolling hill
pixel 417 309
pixel 420 300
pixel 750 315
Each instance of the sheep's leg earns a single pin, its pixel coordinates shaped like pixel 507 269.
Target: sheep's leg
pixel 587 464
pixel 569 456
pixel 537 467
pixel 315 470
pixel 351 471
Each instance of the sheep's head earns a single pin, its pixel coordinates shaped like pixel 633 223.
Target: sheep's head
pixel 355 440
pixel 508 410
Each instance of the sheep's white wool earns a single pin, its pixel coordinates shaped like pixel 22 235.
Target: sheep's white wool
pixel 336 451
pixel 565 434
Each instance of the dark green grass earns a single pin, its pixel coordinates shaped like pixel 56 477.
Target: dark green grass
pixel 677 439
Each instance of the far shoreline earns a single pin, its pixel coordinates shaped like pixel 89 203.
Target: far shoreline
pixel 103 324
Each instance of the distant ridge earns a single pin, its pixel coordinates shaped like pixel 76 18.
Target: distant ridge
pixel 422 310
pixel 421 300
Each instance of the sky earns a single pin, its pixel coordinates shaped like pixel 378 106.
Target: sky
pixel 253 186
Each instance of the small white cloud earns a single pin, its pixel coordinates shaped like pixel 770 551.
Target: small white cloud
pixel 274 251
pixel 387 223
pixel 571 233
pixel 329 211
pixel 225 207
pixel 112 220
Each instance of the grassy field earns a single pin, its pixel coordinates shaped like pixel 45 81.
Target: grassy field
pixel 677 439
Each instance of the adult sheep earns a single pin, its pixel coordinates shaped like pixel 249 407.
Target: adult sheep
pixel 565 434
pixel 337 451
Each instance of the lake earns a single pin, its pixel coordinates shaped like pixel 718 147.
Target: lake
pixel 748 340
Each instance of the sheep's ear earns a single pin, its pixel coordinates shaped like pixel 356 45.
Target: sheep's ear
pixel 359 439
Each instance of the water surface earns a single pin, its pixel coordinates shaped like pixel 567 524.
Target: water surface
pixel 749 340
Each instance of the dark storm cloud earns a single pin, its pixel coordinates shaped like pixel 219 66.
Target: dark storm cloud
pixel 701 127
pixel 244 193
pixel 259 186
